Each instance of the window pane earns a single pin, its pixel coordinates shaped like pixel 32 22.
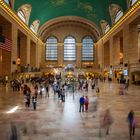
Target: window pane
pixel 87 49
pixel 69 49
pixel 32 28
pixel 21 15
pixel 7 1
pixel 51 49
pixel 118 16
pixel 132 2
pixel 107 28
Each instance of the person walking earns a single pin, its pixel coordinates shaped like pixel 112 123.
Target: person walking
pixel 82 102
pixel 131 123
pixel 86 103
pixel 34 102
pixel 107 121
pixel 13 135
pixel 97 92
pixel 62 94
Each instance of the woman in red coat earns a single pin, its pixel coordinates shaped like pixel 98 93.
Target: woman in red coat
pixel 86 103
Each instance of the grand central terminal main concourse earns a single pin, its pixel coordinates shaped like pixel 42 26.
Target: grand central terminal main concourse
pixel 70 70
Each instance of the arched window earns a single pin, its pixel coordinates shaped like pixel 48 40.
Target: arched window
pixel 69 49
pixel 32 28
pixel 107 28
pixel 87 49
pixel 21 15
pixel 118 15
pixel 7 1
pixel 51 49
pixel 35 25
pixel 132 2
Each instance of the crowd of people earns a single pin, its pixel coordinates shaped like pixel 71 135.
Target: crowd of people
pixel 36 90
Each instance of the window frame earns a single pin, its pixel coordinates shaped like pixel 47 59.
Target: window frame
pixel 21 15
pixel 107 28
pixel 7 2
pixel 53 58
pixel 132 2
pixel 68 50
pixel 32 27
pixel 87 59
pixel 117 16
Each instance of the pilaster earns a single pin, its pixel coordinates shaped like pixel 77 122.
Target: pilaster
pixel 111 50
pixel 14 48
pixel 126 43
pixel 60 53
pixel 28 49
pixel 79 55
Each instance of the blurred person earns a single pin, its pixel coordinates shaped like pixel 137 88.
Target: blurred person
pixel 97 92
pixel 82 102
pixel 41 90
pixel 131 123
pixel 47 90
pixel 107 121
pixel 13 133
pixel 34 102
pixel 86 103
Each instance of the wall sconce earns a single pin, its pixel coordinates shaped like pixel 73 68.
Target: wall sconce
pixel 18 61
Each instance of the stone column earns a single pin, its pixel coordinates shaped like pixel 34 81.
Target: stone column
pixel 60 53
pixel 126 43
pixel 126 47
pixel 37 55
pixel 14 48
pixel 0 62
pixel 33 54
pixel 95 62
pixel 29 53
pixel 100 54
pixel 111 51
pixel 139 43
pixel 40 54
pixel 43 54
pixel 116 51
pixel 79 55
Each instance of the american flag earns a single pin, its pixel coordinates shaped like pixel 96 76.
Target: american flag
pixel 5 44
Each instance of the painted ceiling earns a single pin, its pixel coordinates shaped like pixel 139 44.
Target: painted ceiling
pixel 93 10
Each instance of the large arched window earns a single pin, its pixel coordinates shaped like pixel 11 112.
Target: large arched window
pixel 21 15
pixel 69 49
pixel 107 28
pixel 87 49
pixel 51 49
pixel 118 15
pixel 132 2
pixel 34 26
pixel 24 12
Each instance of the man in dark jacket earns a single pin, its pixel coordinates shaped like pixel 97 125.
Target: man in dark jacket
pixel 131 122
pixel 82 102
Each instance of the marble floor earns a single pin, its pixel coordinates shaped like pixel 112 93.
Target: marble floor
pixel 54 120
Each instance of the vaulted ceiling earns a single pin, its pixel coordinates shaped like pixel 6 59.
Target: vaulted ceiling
pixel 93 10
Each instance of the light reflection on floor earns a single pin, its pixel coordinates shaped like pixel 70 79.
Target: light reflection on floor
pixel 55 120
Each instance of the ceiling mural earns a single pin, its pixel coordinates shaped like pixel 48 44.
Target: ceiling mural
pixel 93 10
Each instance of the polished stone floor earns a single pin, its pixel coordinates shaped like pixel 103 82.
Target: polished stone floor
pixel 54 120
